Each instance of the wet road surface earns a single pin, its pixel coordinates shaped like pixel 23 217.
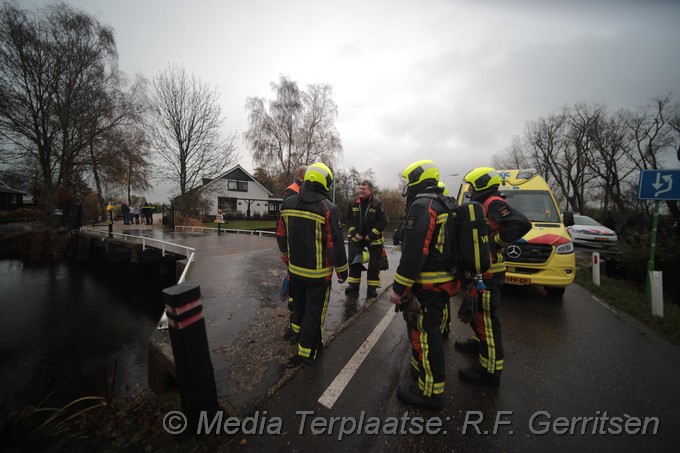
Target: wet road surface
pixel 564 361
pixel 572 365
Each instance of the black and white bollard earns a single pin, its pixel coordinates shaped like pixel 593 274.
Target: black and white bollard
pixel 596 268
pixel 657 293
pixel 189 340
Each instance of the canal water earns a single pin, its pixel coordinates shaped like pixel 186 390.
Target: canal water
pixel 72 329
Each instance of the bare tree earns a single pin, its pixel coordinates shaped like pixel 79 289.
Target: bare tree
pixel 185 129
pixel 592 157
pixel 297 128
pixel 512 156
pixel 609 164
pixel 54 64
pixel 118 117
pixel 127 160
pixel 651 132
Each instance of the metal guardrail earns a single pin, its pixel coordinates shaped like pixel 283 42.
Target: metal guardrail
pixel 189 252
pixel 163 245
pixel 194 229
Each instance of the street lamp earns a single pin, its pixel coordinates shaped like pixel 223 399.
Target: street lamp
pixel 452 174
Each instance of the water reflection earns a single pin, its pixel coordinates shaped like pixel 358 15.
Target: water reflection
pixel 67 325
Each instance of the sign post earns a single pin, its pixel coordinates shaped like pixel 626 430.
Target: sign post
pixel 657 185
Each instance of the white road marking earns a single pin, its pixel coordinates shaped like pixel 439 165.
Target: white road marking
pixel 334 390
pixel 604 304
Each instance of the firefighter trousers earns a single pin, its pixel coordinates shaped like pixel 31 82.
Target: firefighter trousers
pixel 425 335
pixel 373 273
pixel 487 323
pixel 311 301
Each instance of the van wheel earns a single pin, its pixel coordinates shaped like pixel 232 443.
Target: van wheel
pixel 555 293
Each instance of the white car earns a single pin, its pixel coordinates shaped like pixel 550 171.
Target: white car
pixel 589 232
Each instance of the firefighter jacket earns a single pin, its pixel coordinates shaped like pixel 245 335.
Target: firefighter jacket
pixel 309 235
pixel 506 225
pixel 367 218
pixel 423 241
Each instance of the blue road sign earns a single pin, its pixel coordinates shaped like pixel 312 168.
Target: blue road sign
pixel 659 185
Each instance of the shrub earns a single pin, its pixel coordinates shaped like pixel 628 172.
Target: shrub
pixel 187 221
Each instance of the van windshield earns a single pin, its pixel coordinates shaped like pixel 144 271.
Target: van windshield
pixel 537 205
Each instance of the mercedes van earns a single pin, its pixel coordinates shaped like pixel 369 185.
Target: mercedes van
pixel 545 255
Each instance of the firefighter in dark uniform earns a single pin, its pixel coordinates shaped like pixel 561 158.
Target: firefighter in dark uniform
pixel 295 186
pixel 309 237
pixel 366 220
pixel 291 190
pixel 506 225
pixel 423 273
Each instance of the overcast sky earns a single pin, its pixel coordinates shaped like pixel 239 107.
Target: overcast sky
pixel 446 80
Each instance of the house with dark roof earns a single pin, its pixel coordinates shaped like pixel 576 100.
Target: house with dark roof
pixel 236 190
pixel 10 199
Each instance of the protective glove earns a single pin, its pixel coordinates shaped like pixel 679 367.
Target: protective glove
pixel 396 299
pixel 468 307
pixel 411 309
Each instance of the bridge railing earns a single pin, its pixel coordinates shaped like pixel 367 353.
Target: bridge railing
pixel 194 229
pixel 164 246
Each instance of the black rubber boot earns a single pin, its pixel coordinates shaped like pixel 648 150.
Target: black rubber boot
pixel 371 292
pixel 412 395
pixel 352 289
pixel 291 336
pixel 476 374
pixel 468 346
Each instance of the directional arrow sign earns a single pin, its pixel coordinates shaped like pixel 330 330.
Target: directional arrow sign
pixel 659 185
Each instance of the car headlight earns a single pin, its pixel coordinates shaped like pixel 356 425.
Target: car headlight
pixel 565 248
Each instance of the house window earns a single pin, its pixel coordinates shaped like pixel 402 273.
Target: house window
pixel 237 186
pixel 226 204
pixel 13 199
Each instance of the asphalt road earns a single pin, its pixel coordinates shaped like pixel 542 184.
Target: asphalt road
pixel 565 361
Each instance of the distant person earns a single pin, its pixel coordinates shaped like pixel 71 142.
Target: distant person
pixel 147 212
pixel 506 225
pixel 135 213
pixel 366 220
pixel 294 187
pixel 125 212
pixel 310 240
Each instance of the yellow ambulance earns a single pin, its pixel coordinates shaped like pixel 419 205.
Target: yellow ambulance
pixel 545 255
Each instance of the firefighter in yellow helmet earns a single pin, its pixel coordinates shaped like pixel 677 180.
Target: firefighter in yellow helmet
pixel 506 225
pixel 423 282
pixel 310 239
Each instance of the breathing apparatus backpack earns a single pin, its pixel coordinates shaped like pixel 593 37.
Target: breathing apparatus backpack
pixel 466 251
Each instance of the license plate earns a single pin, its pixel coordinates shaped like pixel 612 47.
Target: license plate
pixel 517 280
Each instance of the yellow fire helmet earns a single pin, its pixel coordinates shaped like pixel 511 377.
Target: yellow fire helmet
pixel 320 173
pixel 419 171
pixel 482 178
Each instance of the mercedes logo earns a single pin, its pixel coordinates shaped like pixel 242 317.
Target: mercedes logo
pixel 513 251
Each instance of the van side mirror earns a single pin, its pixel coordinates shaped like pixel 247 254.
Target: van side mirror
pixel 568 217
